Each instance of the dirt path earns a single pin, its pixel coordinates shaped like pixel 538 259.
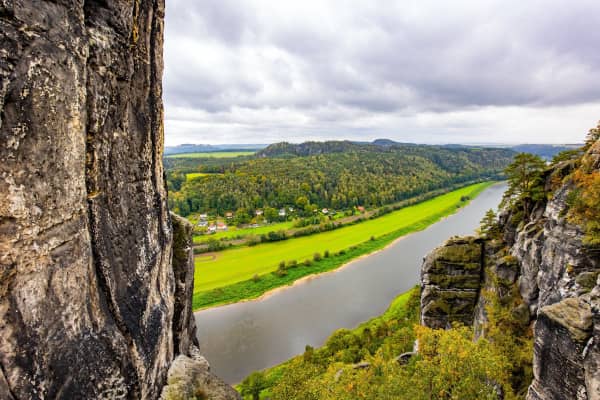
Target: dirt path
pixel 206 256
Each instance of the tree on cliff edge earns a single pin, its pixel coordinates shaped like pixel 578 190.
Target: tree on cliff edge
pixel 525 180
pixel 253 385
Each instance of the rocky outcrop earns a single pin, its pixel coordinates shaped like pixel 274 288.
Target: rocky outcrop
pixel 561 333
pixel 558 282
pixel 91 305
pixel 450 280
pixel 190 378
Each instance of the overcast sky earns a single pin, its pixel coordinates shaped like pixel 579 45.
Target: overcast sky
pixel 460 71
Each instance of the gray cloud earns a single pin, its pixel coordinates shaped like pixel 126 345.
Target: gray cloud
pixel 429 71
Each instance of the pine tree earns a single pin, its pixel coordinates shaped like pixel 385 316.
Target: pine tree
pixel 525 179
pixel 489 225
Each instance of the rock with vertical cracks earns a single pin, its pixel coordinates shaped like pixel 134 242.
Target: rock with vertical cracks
pixel 87 290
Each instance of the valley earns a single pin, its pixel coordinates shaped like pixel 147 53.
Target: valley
pixel 246 336
pixel 264 220
pixel 249 271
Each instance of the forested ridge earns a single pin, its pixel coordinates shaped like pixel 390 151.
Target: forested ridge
pixel 336 175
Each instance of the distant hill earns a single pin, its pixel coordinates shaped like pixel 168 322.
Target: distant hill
pixel 335 174
pixel 329 147
pixel 205 148
pixel 282 149
pixel 341 146
pixel 546 151
pixel 309 148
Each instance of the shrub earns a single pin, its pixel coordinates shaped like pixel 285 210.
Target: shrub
pixel 253 385
pixel 326 254
pixel 317 257
pixel 280 272
pixel 282 265
pixel 256 278
pixel 307 262
pixel 292 264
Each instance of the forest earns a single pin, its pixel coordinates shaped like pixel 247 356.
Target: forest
pixel 336 175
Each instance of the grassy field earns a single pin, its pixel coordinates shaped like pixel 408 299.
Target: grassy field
pixel 233 231
pixel 227 277
pixel 214 154
pixel 192 175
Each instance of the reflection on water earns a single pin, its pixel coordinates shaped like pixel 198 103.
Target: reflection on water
pixel 240 338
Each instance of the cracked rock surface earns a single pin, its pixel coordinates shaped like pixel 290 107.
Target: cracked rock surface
pixel 91 303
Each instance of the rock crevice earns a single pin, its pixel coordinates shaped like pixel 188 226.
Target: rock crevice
pixel 95 295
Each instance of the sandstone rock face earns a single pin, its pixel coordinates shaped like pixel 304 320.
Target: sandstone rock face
pixel 90 303
pixel 558 280
pixel 560 294
pixel 184 323
pixel 561 333
pixel 450 281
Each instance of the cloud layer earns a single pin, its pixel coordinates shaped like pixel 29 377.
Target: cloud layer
pixel 429 71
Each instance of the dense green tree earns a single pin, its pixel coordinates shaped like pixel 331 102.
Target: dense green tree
pixel 242 216
pixel 253 385
pixel 566 155
pixel 489 224
pixel 525 178
pixel 592 137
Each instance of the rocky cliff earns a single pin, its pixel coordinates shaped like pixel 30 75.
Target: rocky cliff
pixel 542 273
pixel 94 291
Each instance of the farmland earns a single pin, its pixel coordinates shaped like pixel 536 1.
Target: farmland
pixel 214 154
pixel 237 266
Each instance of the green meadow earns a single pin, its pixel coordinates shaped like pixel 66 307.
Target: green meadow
pixel 227 276
pixel 214 154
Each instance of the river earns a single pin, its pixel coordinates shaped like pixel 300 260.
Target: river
pixel 243 337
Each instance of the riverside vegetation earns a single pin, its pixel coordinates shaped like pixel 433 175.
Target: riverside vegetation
pixel 364 363
pixel 247 272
